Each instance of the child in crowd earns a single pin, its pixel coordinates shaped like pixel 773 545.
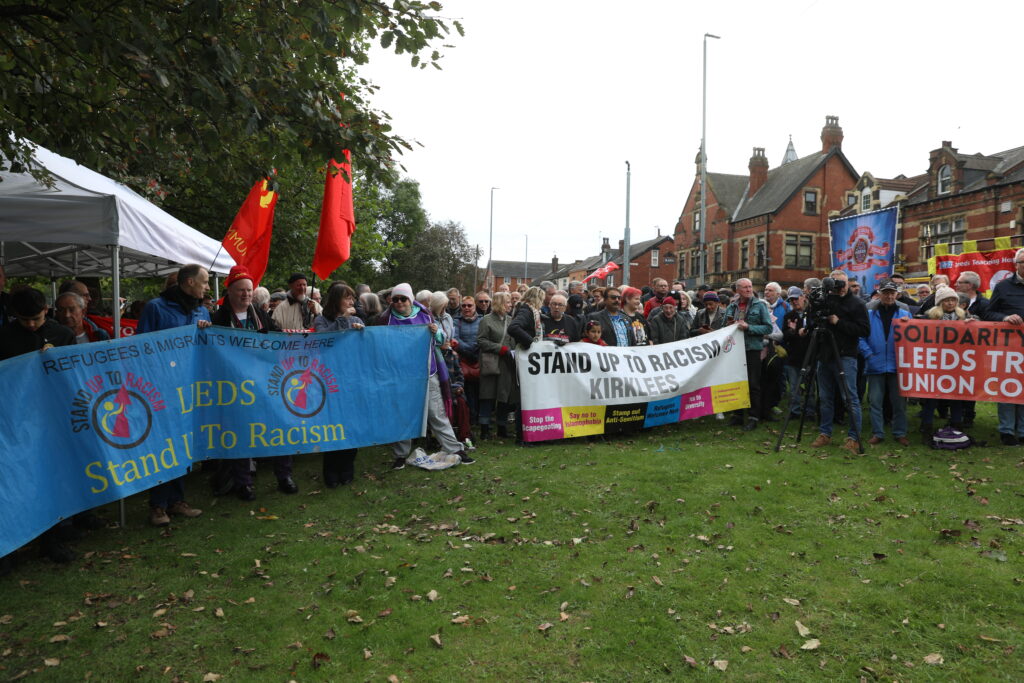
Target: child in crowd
pixel 592 333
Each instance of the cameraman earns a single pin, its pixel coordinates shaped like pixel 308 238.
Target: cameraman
pixel 846 317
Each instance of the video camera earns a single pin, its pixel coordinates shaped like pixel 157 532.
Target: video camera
pixel 819 305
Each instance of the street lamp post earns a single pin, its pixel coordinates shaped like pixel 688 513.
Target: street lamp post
pixel 702 247
pixel 625 242
pixel 490 246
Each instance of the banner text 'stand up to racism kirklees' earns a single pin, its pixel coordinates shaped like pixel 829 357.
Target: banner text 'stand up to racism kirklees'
pixel 581 389
pixel 93 423
pixel 967 361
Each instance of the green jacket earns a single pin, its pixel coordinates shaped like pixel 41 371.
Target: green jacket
pixel 758 317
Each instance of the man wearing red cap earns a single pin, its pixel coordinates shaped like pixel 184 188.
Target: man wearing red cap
pixel 238 312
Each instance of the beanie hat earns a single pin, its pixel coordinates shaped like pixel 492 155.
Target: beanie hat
pixel 711 296
pixel 403 289
pixel 237 273
pixel 297 276
pixel 944 292
pixel 669 300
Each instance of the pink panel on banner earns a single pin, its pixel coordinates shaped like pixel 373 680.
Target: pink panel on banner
pixel 541 425
pixel 695 404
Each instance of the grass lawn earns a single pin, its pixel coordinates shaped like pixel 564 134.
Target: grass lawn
pixel 692 550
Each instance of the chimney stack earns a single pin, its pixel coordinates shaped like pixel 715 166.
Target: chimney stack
pixel 622 247
pixel 831 134
pixel 554 264
pixel 758 171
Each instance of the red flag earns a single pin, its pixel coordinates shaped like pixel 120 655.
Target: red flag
pixel 602 272
pixel 337 219
pixel 248 238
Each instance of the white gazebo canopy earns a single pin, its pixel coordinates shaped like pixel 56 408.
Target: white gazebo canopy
pixel 68 230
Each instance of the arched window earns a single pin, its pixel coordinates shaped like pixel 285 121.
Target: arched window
pixel 945 179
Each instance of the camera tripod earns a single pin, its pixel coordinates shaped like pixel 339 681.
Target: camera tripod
pixel 819 333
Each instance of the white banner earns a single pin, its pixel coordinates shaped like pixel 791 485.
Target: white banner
pixel 582 389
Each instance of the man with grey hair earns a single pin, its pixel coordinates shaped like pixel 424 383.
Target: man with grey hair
pixel 549 291
pixel 69 310
pixel 1007 305
pixel 752 316
pixel 810 284
pixel 968 283
pixel 938 280
pixel 575 287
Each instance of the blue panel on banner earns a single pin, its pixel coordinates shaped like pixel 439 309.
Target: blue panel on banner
pixel 662 412
pixel 864 246
pixel 94 423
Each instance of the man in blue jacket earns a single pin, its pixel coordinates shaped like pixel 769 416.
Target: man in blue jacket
pixel 177 306
pixel 879 351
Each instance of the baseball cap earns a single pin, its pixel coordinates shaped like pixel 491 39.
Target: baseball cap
pixel 794 292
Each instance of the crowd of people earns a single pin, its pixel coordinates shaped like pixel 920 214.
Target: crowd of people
pixel 473 388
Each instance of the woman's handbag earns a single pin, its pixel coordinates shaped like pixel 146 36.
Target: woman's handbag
pixel 489 364
pixel 470 369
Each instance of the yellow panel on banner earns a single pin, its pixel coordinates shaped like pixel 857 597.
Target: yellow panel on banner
pixel 582 420
pixel 969 246
pixel 733 396
pixel 1003 243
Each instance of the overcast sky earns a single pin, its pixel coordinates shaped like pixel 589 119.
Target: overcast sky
pixel 548 99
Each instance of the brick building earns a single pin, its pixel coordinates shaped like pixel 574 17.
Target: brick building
pixel 514 273
pixel 771 224
pixel 648 259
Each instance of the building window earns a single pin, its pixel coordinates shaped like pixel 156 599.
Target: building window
pixel 610 280
pixel 744 254
pixel 696 220
pixel 851 199
pixel 718 258
pixel 654 258
pixel 799 251
pixel 759 254
pixel 950 231
pixel 865 201
pixel 945 179
pixel 810 201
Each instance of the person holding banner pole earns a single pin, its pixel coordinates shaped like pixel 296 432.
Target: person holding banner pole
pixel 179 305
pixel 1007 305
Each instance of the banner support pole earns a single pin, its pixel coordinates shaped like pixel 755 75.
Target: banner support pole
pixel 115 310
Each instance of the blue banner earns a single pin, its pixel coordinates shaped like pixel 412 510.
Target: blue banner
pixel 864 246
pixel 89 424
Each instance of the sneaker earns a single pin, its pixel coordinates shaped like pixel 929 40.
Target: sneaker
pixel 851 445
pixel 398 464
pixel 467 459
pixel 1008 439
pixel 158 517
pixel 719 416
pixel 184 509
pixel 822 440
pixel 287 485
pixel 469 445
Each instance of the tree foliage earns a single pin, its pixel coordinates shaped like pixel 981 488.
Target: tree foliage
pixel 154 92
pixel 436 258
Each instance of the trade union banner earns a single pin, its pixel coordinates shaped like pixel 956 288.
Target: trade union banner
pixel 991 266
pixel 582 389
pixel 967 361
pixel 863 246
pixel 89 424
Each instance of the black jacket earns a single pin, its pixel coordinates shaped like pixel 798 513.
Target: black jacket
pixel 1007 299
pixel 637 331
pixel 979 308
pixel 795 343
pixel 852 325
pixel 523 327
pixel 224 317
pixel 16 339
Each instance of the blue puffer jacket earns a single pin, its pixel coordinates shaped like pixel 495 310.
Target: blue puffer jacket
pixel 880 353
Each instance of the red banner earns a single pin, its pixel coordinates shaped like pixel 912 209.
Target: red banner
pixel 967 361
pixel 248 238
pixel 107 325
pixel 992 266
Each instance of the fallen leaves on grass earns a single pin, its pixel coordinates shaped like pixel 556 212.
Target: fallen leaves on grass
pixel 812 644
pixel 802 630
pixel 934 658
pixel 211 677
pixel 51 661
pixel 436 640
pixel 791 601
pixel 60 638
pixel 545 626
pixel 319 659
pixel 432 596
pixel 721 664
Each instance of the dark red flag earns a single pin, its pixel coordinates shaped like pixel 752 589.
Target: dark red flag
pixel 248 238
pixel 337 219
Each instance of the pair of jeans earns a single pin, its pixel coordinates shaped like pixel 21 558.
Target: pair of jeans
pixel 829 385
pixel 796 397
pixel 1011 419
pixel 438 421
pixel 879 387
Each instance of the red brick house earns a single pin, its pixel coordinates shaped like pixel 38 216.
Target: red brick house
pixel 649 259
pixel 771 224
pixel 514 273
